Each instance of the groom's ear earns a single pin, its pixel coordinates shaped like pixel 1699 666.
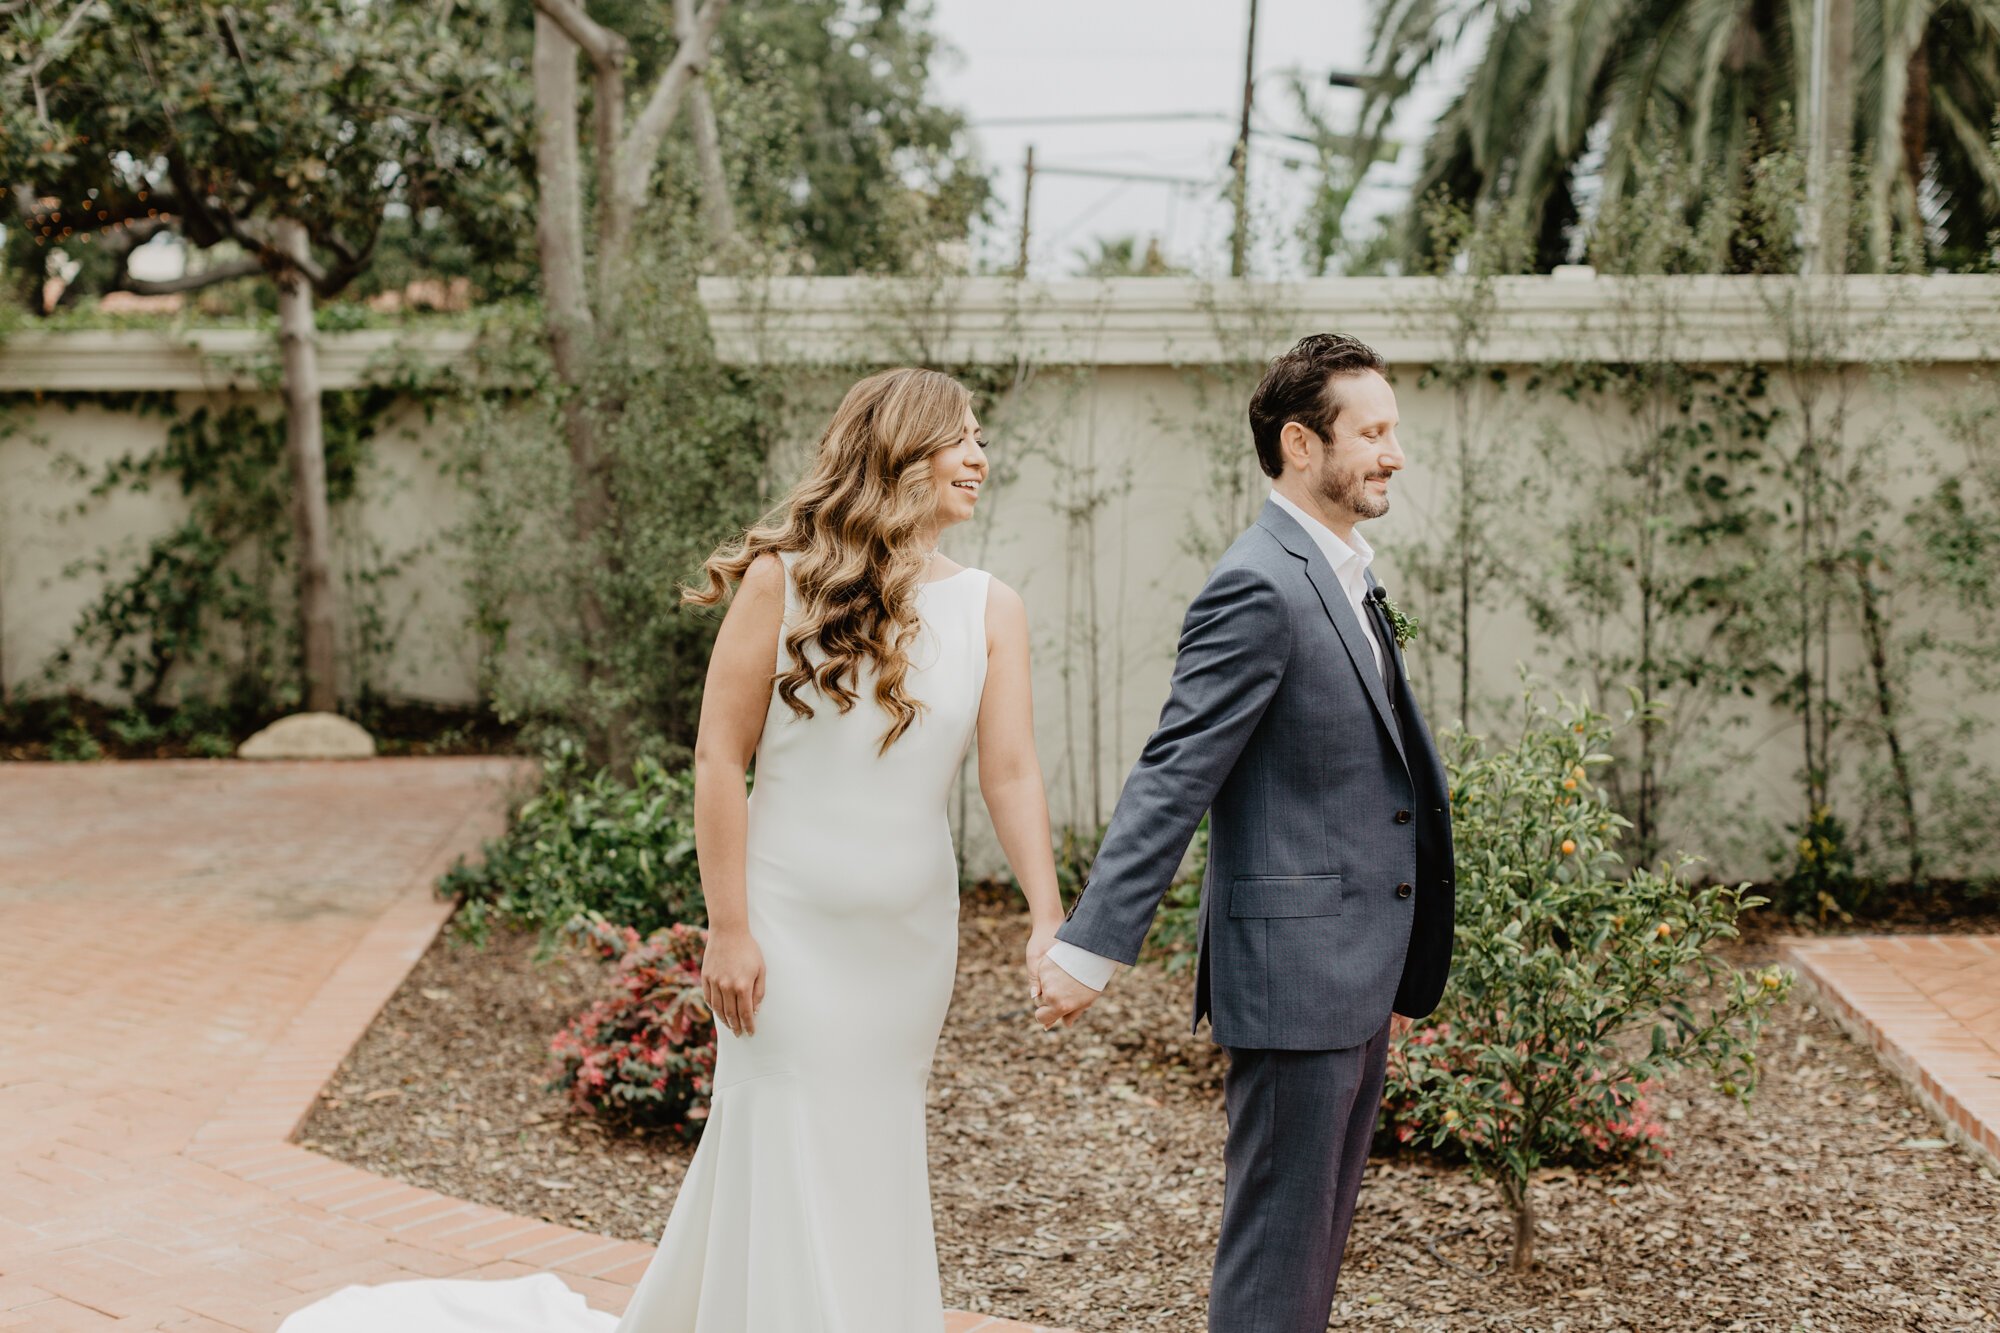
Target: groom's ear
pixel 1295 445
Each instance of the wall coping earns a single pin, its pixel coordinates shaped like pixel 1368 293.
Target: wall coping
pixel 1180 321
pixel 214 360
pixel 1119 322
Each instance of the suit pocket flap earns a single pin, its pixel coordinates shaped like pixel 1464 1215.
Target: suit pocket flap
pixel 1286 895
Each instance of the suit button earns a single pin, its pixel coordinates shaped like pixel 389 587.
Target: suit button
pixel 1402 816
pixel 1404 890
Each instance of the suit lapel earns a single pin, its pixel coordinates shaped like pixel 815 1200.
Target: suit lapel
pixel 1392 652
pixel 1333 599
pixel 1406 696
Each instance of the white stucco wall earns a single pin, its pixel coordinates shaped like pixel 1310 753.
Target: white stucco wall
pixel 1123 458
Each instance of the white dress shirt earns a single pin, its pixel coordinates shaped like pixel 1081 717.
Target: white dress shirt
pixel 1350 561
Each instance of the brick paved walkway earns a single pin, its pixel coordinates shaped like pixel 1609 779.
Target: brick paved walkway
pixel 187 950
pixel 1930 1007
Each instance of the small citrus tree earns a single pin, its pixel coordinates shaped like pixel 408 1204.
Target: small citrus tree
pixel 1576 985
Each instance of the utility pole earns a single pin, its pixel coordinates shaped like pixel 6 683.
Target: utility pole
pixel 1239 160
pixel 1027 202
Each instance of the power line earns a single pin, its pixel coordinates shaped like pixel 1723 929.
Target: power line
pixel 1160 178
pixel 1099 118
pixel 1131 118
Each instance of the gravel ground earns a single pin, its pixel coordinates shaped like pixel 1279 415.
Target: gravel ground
pixel 1078 1175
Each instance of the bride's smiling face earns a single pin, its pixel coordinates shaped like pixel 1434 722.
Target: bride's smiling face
pixel 959 470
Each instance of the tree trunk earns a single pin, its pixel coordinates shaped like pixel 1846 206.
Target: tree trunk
pixel 559 207
pixel 572 337
pixel 305 445
pixel 581 301
pixel 1521 1204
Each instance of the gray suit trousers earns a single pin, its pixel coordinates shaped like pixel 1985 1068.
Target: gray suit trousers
pixel 1300 1123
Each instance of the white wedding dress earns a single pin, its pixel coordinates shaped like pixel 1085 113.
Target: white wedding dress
pixel 806 1208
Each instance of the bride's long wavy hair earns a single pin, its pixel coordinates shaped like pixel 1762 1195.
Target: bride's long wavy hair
pixel 855 519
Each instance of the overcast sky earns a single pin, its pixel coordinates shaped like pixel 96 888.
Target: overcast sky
pixel 1053 58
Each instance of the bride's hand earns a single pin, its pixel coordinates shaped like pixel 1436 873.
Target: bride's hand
pixel 1039 941
pixel 732 979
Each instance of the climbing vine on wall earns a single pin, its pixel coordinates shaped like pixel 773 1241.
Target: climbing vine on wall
pixel 198 615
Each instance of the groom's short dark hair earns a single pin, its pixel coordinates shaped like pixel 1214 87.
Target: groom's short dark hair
pixel 1299 386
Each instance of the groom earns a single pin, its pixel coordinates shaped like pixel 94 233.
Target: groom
pixel 1328 900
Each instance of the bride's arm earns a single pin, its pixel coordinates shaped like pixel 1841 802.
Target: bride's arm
pixel 733 704
pixel 1010 774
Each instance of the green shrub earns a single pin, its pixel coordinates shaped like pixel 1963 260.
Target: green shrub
pixel 1576 985
pixel 1821 880
pixel 588 843
pixel 74 745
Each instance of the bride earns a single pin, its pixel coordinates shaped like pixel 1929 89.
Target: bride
pixel 855 665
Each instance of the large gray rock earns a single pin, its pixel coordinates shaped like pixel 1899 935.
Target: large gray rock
pixel 309 736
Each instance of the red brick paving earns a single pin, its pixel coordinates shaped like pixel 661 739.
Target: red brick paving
pixel 187 951
pixel 1930 1007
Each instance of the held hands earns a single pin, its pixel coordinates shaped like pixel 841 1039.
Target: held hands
pixel 1073 996
pixel 1059 997
pixel 732 979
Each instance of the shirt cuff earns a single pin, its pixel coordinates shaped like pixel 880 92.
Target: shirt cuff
pixel 1093 970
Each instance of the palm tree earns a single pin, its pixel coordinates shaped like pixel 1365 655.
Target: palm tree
pixel 1568 100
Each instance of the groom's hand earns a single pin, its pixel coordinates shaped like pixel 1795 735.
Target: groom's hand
pixel 1063 998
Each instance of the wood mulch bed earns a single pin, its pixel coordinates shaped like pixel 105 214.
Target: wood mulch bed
pixel 1078 1182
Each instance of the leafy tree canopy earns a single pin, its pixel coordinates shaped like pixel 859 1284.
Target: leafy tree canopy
pixel 125 118
pixel 1566 103
pixel 839 161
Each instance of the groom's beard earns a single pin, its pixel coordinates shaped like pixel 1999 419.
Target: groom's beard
pixel 1349 491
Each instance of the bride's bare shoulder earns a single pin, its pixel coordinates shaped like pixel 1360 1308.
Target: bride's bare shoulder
pixel 765 577
pixel 1006 613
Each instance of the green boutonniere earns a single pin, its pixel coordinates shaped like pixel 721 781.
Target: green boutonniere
pixel 1405 626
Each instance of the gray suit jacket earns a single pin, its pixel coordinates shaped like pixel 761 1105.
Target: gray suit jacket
pixel 1328 897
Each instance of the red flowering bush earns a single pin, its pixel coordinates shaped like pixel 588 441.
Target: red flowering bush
pixel 1577 984
pixel 646 1054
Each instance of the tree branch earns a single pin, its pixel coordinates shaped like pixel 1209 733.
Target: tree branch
pixel 337 243
pixel 194 282
pixel 259 238
pixel 53 48
pixel 204 229
pixel 353 262
pixel 649 131
pixel 601 44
